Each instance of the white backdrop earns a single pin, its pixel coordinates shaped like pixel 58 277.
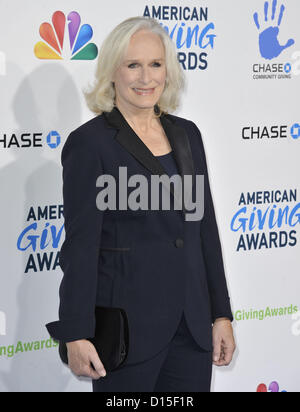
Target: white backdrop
pixel 250 128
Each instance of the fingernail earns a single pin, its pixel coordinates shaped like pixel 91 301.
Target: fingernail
pixel 103 374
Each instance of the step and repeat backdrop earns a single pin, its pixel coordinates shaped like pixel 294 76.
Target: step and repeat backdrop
pixel 242 64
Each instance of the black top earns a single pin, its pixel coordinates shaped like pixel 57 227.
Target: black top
pixel 169 164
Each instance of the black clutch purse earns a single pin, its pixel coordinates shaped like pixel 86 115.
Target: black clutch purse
pixel 111 338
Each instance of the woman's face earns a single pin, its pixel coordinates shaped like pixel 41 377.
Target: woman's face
pixel 140 80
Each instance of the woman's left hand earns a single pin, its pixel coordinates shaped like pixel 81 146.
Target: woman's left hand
pixel 223 342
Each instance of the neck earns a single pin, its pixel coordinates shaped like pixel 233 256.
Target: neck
pixel 140 119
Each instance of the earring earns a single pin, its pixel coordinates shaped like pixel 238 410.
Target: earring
pixel 157 111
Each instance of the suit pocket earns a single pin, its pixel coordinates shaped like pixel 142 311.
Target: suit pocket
pixel 112 263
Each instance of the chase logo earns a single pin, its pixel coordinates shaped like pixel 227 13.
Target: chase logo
pixel 54 35
pixel 269 28
pixel 295 131
pixel 271 132
pixel 53 139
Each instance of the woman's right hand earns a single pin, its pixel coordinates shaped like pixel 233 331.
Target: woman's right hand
pixel 81 353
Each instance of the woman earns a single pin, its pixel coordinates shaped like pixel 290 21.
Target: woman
pixel 164 270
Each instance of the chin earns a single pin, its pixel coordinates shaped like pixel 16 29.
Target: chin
pixel 144 105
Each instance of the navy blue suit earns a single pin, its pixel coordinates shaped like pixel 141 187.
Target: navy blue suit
pixel 152 263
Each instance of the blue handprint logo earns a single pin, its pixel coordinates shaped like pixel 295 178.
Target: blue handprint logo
pixel 268 38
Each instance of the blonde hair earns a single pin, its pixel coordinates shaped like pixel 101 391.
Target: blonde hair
pixel 101 95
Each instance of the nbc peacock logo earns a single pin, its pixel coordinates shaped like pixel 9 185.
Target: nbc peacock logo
pixel 54 36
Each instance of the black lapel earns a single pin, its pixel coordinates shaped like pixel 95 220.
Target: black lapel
pixel 178 139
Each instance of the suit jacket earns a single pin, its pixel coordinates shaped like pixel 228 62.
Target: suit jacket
pixel 152 263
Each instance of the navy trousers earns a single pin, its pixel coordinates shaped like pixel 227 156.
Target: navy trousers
pixel 182 366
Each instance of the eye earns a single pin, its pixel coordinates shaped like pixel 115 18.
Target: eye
pixel 131 66
pixel 157 64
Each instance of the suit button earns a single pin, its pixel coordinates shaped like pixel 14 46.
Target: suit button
pixel 179 242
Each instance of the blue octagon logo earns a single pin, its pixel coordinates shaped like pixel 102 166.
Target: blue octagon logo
pixel 53 139
pixel 295 131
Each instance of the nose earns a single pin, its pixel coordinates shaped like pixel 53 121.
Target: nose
pixel 145 75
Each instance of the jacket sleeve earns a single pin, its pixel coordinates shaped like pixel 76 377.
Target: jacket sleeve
pixel 80 250
pixel 211 248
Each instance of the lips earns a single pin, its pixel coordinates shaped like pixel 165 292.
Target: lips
pixel 143 91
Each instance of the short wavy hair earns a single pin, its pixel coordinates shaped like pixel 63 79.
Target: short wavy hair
pixel 101 95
